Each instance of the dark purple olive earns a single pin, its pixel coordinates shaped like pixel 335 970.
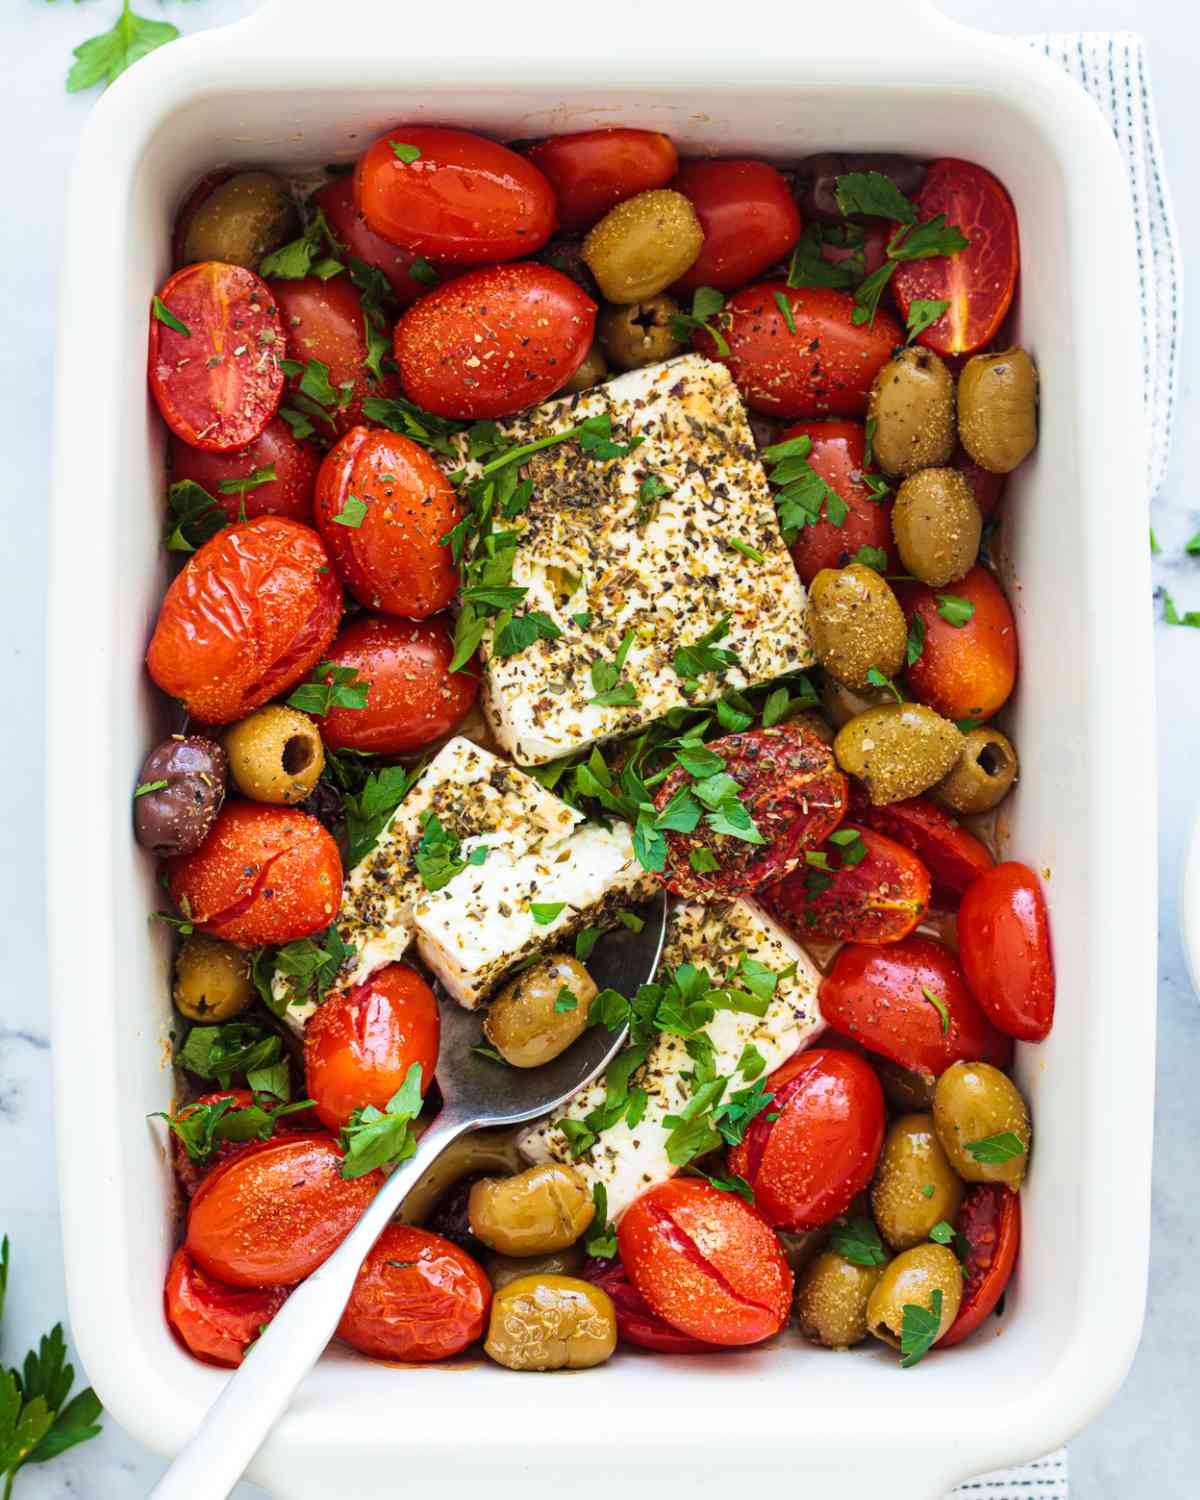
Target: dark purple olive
pixel 816 180
pixel 449 1217
pixel 179 793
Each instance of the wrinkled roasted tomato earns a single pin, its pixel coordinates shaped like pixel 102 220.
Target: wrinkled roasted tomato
pixel 217 1323
pixel 990 1222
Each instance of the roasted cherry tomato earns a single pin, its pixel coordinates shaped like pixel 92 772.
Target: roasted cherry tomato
pixel 748 216
pixel 247 618
pixel 637 1322
pixel 986 487
pixel 814 1150
pixel 837 454
pixel 190 1174
pixel 909 1001
pixel 412 698
pixel 360 1044
pixel 706 1262
pixel 274 1213
pixel 453 196
pixel 220 382
pixel 595 170
pixel 823 368
pixel 263 875
pixel 407 279
pixel 217 1323
pixel 273 476
pixel 384 506
pixel 417 1297
pixel 788 782
pixel 1004 947
pixel 977 282
pixel 953 857
pixel 990 1222
pixel 964 671
pixel 494 341
pixel 872 890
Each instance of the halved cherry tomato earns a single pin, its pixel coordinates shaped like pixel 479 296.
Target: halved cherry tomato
pixel 964 671
pixel 824 368
pixel 289 493
pixel 986 487
pixel 990 1221
pixel 392 556
pixel 977 282
pixel 461 198
pixel 220 383
pixel 190 1174
pixel 706 1262
pixel 336 201
pixel 274 1213
pixel 637 1322
pixel 953 857
pixel 263 875
pixel 748 215
pixel 360 1044
pixel 247 618
pixel 837 454
pixel 595 170
pixel 879 898
pixel 877 997
pixel 814 1150
pixel 494 341
pixel 217 1323
pixel 789 783
pixel 1004 945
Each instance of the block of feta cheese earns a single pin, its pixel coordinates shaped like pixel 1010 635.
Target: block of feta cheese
pixel 629 1159
pixel 646 543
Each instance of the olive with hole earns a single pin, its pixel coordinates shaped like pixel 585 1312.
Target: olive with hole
pixel 937 526
pixel 910 1281
pixel 915 1186
pixel 912 407
pixel 831 1300
pixel 983 1123
pixel 855 623
pixel 551 1323
pixel 639 333
pixel 841 704
pixel 544 1208
pixel 502 1269
pixel 541 1012
pixel 179 793
pixel 997 409
pixel 897 751
pixel 983 775
pixel 275 755
pixel 212 980
pixel 591 372
pixel 644 244
pixel 241 220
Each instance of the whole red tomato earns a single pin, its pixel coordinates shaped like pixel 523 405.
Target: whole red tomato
pixel 878 898
pixel 263 875
pixel 190 1174
pixel 637 1322
pixel 217 1323
pixel 964 671
pixel 1004 945
pixel 494 341
pixel 274 1213
pixel 595 170
pixel 953 857
pixel 287 471
pixel 413 698
pixel 910 1002
pixel 336 201
pixel 811 1154
pixel 990 1222
pixel 706 1262
pixel 749 218
pixel 453 196
pixel 417 1297
pixel 246 619
pixel 837 455
pixel 383 507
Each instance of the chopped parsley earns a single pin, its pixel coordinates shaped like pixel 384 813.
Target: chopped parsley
pixel 877 679
pixel 202 1128
pixel 610 691
pixel 1172 616
pixel 352 514
pixel 800 493
pixel 405 153
pixel 566 1000
pixel 252 481
pixel 545 912
pixel 194 517
pixel 922 314
pixel 704 655
pixel 164 315
pixel 871 557
pixel 378 1137
pixel 920 1328
pixel 220 1052
pixel 439 857
pixel 954 610
pixel 783 303
pixel 329 687
pixel 601 1239
pixel 995 1150
pixel 144 788
pixel 940 1006
pixel 311 254
pixel 707 303
pixel 857 1240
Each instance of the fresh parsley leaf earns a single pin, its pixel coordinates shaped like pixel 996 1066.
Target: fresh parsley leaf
pixel 405 153
pixel 329 687
pixel 940 1006
pixel 518 632
pixel 1172 616
pixel 785 307
pixel 438 856
pixel 800 492
pixel 601 1239
pixel 1155 549
pixel 370 809
pixel 195 516
pixel 703 861
pixel 102 59
pixel 857 1240
pixel 752 1063
pixel 352 514
pixel 309 968
pixel 422 271
pixel 300 257
pixel 733 1117
pixel 922 314
pixel 873 194
pixel 954 610
pixel 301 426
pixel 650 492
pixel 916 639
pixel 730 1183
pixel 877 679
pixel 596 439
pixel 704 655
pixel 869 293
pixel 201 1128
pixel 378 1137
pixel 920 1328
pixel 995 1150
pixel 928 1190
pixel 164 315
pixel 252 481
pixel 707 303
pixel 605 675
pixel 631 920
pixel 923 241
pixel 545 912
pixel 585 941
pixel 1191 547
pixel 808 267
pixel 408 419
pixel 871 557
pixel 965 726
pixel 220 1052
pixel 850 846
pixel 144 788
pixel 566 1000
pixel 746 549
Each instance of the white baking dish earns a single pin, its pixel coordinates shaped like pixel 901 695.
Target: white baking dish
pixel 313 85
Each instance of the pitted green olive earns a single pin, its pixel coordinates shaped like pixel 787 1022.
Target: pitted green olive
pixel 831 1300
pixel 983 1123
pixel 242 220
pixel 503 1269
pixel 915 1186
pixel 275 754
pixel 911 1280
pixel 982 776
pixel 544 1208
pixel 997 409
pixel 937 526
pixel 855 623
pixel 841 704
pixel 532 1019
pixel 639 333
pixel 897 751
pixel 644 244
pixel 212 980
pixel 912 405
pixel 551 1323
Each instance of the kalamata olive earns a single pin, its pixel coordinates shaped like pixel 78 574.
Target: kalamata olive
pixel 937 526
pixel 503 1269
pixel 983 1123
pixel 997 409
pixel 644 244
pixel 911 1280
pixel 591 372
pixel 275 754
pixel 982 776
pixel 544 1208
pixel 179 793
pixel 855 623
pixel 639 333
pixel 449 1217
pixel 531 1020
pixel 915 1186
pixel 212 980
pixel 566 255
pixel 551 1323
pixel 816 179
pixel 831 1300
pixel 912 406
pixel 898 751
pixel 241 220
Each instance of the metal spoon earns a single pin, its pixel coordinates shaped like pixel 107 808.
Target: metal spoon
pixel 476 1092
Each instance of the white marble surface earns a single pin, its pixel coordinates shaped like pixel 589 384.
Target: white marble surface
pixel 1148 1443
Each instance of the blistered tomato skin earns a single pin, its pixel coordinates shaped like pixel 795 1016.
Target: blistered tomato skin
pixel 248 617
pixel 263 875
pixel 336 201
pixel 595 170
pixel 637 1322
pixel 965 671
pixel 461 199
pixel 289 494
pixel 394 559
pixel 879 899
pixel 990 1222
pixel 749 218
pixel 953 857
pixel 837 455
pixel 1004 946
pixel 220 383
pixel 494 341
pixel 216 1323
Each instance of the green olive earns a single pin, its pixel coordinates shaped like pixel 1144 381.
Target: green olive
pixel 275 754
pixel 855 623
pixel 997 409
pixel 912 406
pixel 480 1151
pixel 915 1186
pixel 981 1118
pixel 639 333
pixel 831 1300
pixel 544 1208
pixel 902 1088
pixel 591 372
pixel 524 1022
pixel 910 1281
pixel 983 774
pixel 242 220
pixel 551 1323
pixel 841 704
pixel 212 980
pixel 898 751
pixel 503 1269
pixel 644 244
pixel 937 526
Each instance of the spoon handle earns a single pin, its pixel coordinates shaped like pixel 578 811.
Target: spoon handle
pixel 257 1393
